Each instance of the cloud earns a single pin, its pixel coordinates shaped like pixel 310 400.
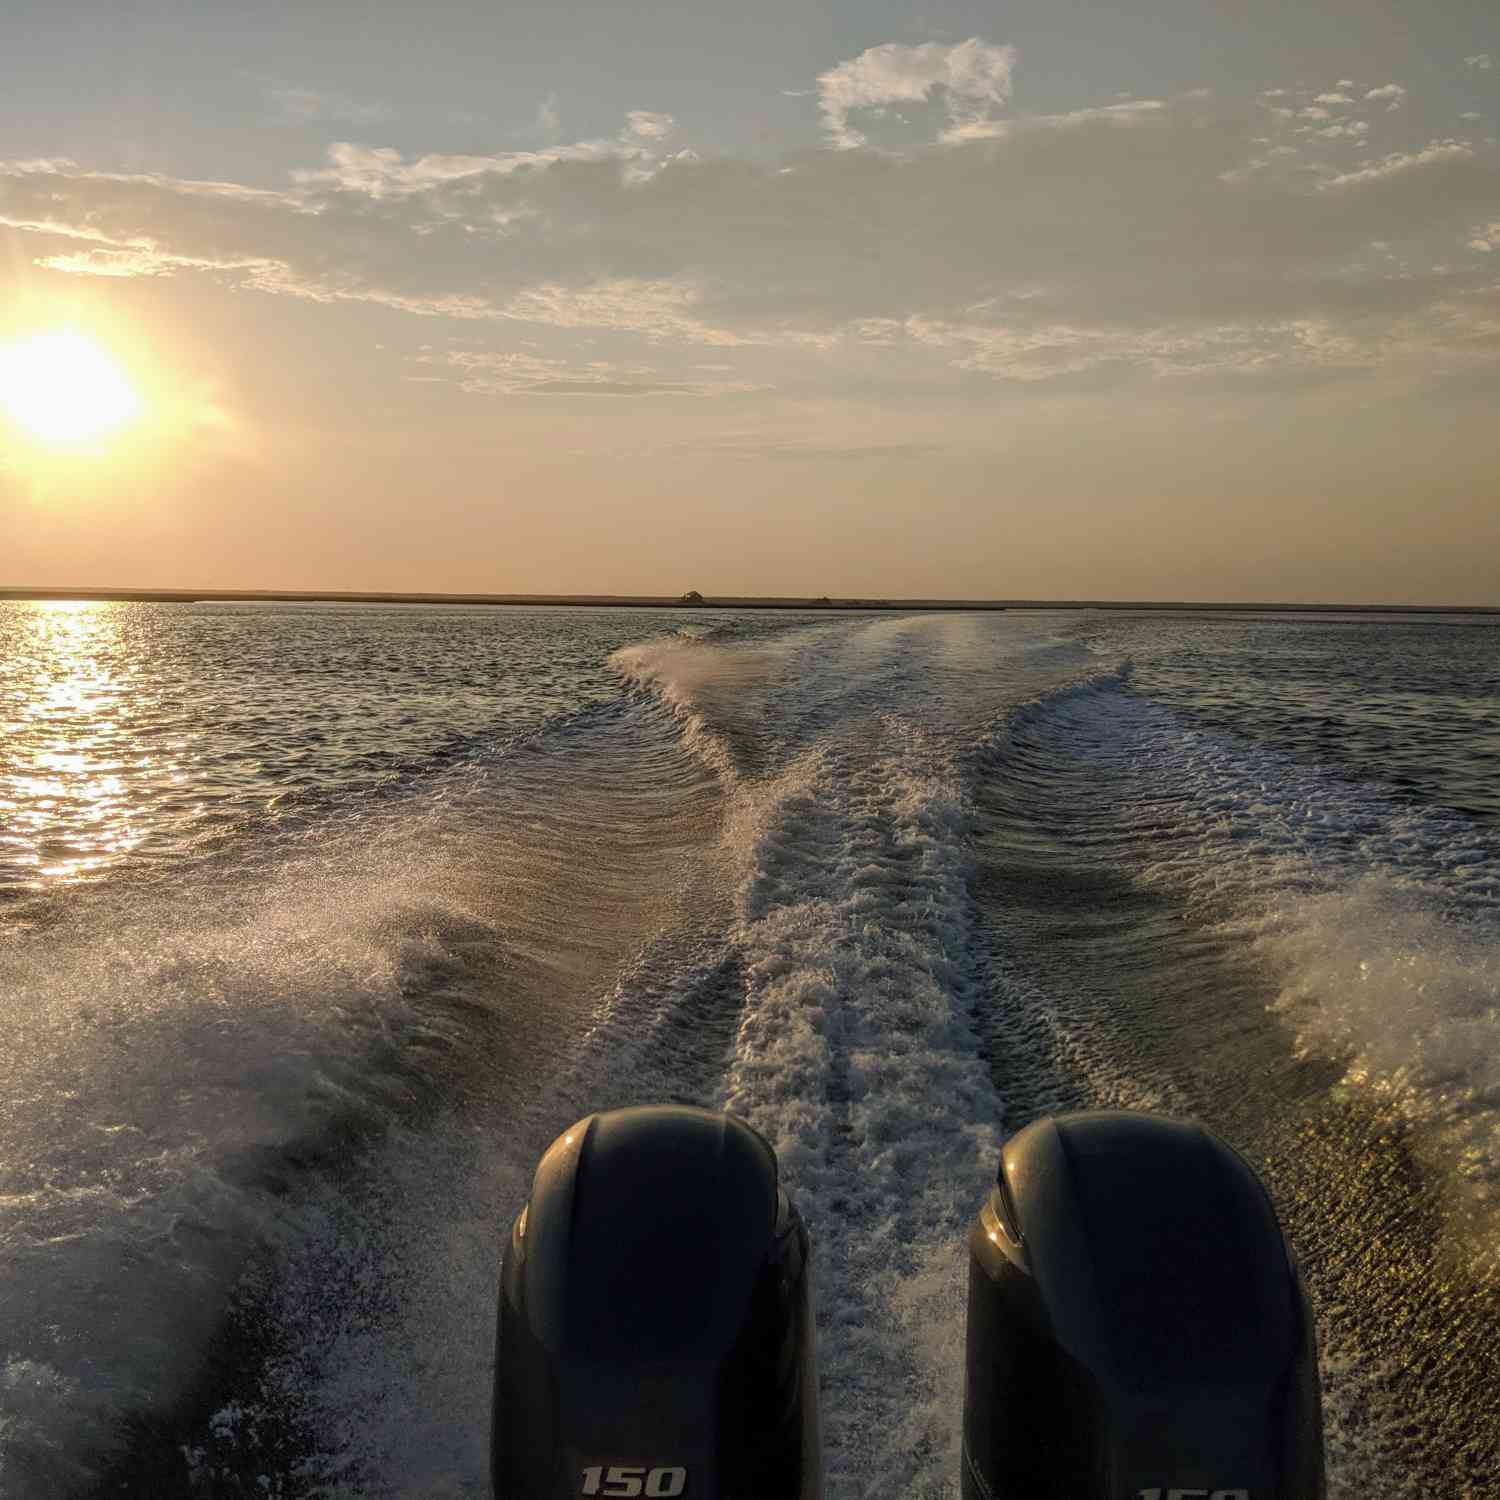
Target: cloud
pixel 548 121
pixel 305 106
pixel 663 308
pixel 1044 355
pixel 972 79
pixel 382 171
pixel 1148 240
pixel 1486 238
pixel 757 446
pixel 122 263
pixel 522 372
pixel 649 125
pixel 1333 99
pixel 1404 163
pixel 1391 92
pixel 1345 130
pixel 607 388
pixel 1102 114
pixel 1480 62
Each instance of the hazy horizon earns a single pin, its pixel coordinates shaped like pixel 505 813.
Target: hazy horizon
pixel 1155 302
pixel 125 593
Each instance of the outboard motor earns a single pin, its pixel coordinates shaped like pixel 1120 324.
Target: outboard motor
pixel 655 1326
pixel 1137 1329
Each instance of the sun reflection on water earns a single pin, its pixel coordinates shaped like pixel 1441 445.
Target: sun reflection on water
pixel 139 740
pixel 69 712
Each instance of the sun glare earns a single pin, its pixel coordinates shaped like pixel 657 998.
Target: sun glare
pixel 63 388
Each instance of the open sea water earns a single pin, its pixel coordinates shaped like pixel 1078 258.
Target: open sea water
pixel 318 923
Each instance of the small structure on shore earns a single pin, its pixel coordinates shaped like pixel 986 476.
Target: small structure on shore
pixel 691 597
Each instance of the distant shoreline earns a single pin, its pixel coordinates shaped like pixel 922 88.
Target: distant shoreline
pixel 634 601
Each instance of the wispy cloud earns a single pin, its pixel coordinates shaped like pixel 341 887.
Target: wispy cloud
pixel 971 79
pixel 122 263
pixel 522 372
pixel 1143 240
pixel 1132 112
pixel 1406 163
pixel 383 172
pixel 548 121
pixel 1345 130
pixel 1480 62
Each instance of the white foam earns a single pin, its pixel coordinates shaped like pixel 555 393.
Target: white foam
pixel 678 669
pixel 855 1052
pixel 856 1058
pixel 1381 919
pixel 1375 975
pixel 842 941
pixel 392 1310
pixel 152 1077
pixel 185 1067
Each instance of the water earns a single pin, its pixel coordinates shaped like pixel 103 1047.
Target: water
pixel 316 924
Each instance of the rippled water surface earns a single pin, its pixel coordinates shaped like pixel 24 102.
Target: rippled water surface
pixel 317 924
pixel 132 732
pixel 1405 700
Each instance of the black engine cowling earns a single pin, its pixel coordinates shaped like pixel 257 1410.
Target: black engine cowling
pixel 1137 1329
pixel 655 1325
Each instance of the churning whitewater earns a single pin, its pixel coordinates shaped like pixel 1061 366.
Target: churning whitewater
pixel 293 1001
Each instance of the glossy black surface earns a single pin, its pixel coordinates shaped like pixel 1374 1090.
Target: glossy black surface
pixel 655 1328
pixel 1135 1322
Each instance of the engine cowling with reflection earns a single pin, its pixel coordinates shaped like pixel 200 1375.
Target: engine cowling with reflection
pixel 1137 1328
pixel 655 1325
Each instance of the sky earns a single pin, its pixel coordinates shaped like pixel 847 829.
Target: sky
pixel 1056 299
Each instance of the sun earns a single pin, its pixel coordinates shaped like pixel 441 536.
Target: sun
pixel 63 388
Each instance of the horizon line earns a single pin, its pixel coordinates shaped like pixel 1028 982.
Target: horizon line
pixel 692 600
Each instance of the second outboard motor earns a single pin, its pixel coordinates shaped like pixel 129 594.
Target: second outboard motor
pixel 1137 1329
pixel 655 1326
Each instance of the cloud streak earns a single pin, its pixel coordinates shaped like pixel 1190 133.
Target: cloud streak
pixel 1138 241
